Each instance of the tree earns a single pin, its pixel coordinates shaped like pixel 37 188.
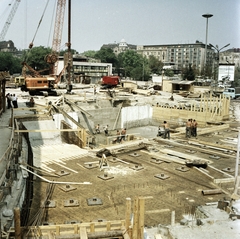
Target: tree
pixel 10 63
pixel 188 73
pixel 90 53
pixel 36 57
pixel 155 65
pixel 169 72
pixel 131 64
pixel 106 55
pixel 61 53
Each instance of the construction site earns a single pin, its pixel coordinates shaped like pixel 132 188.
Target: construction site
pixel 80 184
pixel 89 162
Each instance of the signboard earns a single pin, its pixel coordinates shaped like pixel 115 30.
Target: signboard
pixel 226 73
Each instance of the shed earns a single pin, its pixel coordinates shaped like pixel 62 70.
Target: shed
pixel 182 85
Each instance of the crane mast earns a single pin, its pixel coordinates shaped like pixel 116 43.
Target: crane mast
pixel 9 19
pixel 57 36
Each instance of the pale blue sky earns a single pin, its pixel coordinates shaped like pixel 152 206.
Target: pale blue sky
pixel 139 22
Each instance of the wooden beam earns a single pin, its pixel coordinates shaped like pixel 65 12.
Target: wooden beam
pixel 46 130
pixel 17 223
pixel 141 208
pixel 135 220
pixel 83 233
pixel 78 107
pixel 128 213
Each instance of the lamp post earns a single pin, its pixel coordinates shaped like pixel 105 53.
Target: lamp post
pixel 207 15
pixel 217 58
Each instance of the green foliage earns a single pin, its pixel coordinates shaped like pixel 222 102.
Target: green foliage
pixel 169 72
pixel 61 53
pixel 209 72
pixel 155 65
pixel 36 58
pixel 89 53
pixel 106 55
pixel 133 65
pixel 10 63
pixel 188 73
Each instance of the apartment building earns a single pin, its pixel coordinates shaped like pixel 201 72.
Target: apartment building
pixel 230 56
pixel 180 55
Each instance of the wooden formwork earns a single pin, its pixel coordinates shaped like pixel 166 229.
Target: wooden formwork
pixel 211 109
pixel 122 229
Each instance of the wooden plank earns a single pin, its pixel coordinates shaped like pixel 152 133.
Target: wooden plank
pixel 108 226
pixel 46 130
pixel 135 220
pixel 17 223
pixel 213 145
pixel 158 211
pixel 51 235
pixel 208 151
pixel 141 208
pixel 166 158
pixel 224 180
pixel 83 233
pixel 182 155
pixel 92 227
pixel 128 212
pixel 75 229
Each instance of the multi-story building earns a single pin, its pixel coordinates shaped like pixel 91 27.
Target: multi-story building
pixel 230 56
pixel 180 55
pixel 87 70
pixel 122 46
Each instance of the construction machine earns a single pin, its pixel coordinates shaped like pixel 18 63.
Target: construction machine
pixel 35 83
pixel 9 19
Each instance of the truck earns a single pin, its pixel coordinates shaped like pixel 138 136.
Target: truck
pixel 232 93
pixel 110 81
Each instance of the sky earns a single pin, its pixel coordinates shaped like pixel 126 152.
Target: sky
pixel 139 22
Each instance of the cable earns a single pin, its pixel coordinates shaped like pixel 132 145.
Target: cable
pixel 54 10
pixel 31 44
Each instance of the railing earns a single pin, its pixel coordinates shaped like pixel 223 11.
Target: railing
pixel 108 228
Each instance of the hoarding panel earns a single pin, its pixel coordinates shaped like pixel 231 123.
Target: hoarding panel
pixel 226 73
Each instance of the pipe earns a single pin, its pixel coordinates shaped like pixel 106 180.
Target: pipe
pixel 54 182
pixel 211 191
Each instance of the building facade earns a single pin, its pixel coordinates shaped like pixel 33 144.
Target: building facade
pixel 180 55
pixel 87 71
pixel 120 47
pixel 7 46
pixel 230 56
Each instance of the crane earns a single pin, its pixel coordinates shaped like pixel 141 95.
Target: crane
pixel 52 58
pixel 9 19
pixel 37 83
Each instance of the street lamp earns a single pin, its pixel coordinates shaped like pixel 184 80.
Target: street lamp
pixel 218 52
pixel 207 15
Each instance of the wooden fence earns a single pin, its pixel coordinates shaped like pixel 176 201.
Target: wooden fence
pixel 206 110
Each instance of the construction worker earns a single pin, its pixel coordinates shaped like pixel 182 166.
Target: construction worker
pixel 194 125
pixel 188 128
pixel 97 129
pixel 106 130
pixel 123 134
pixel 166 130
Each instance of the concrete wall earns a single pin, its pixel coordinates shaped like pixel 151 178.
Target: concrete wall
pixel 102 116
pixel 135 116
